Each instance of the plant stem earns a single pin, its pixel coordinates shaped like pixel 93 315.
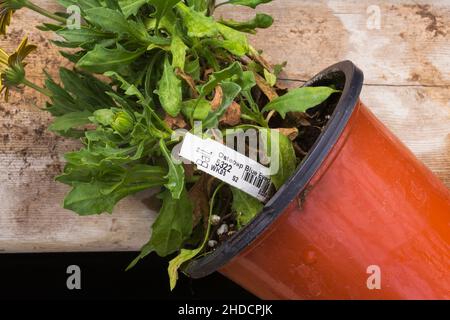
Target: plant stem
pixel 36 87
pixel 44 12
pixel 269 116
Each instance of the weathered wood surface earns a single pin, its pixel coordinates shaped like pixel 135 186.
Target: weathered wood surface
pixel 407 84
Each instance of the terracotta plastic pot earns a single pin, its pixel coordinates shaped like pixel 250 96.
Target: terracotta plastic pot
pixel 361 218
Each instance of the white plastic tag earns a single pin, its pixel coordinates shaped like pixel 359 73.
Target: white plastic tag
pixel 227 165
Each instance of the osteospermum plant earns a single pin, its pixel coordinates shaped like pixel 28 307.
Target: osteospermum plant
pixel 141 70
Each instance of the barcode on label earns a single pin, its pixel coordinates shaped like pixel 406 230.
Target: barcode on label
pixel 258 180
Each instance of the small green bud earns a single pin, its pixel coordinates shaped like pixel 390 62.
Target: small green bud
pixel 123 122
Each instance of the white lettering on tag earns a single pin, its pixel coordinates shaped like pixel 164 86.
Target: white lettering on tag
pixel 227 165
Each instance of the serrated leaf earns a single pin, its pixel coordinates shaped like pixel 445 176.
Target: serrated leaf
pixel 104 116
pixel 197 24
pixel 95 197
pixel 162 7
pixel 103 59
pixel 108 19
pixel 84 35
pixel 169 90
pixel 198 5
pixel 173 224
pixel 69 121
pixel 299 100
pixel 202 108
pixel 82 4
pixel 287 160
pixel 193 68
pixel 175 175
pixel 235 41
pixel 270 78
pixel 115 21
pixel 234 69
pixel 130 89
pixel 178 49
pixel 131 7
pixel 245 206
pixel 80 92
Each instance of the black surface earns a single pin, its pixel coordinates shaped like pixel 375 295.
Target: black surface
pixel 43 276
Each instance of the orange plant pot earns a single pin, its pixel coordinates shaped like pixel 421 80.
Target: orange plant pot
pixel 361 218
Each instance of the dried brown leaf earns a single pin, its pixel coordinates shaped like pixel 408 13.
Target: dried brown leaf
pixel 232 116
pixel 217 100
pixel 175 122
pixel 291 133
pixel 269 91
pixel 189 80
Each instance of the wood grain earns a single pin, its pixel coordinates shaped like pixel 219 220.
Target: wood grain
pixel 407 70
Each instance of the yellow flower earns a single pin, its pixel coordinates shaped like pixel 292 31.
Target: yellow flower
pixel 12 72
pixel 5 17
pixel 7 8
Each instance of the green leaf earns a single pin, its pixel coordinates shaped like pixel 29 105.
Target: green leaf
pixel 299 100
pixel 246 80
pixel 197 24
pixel 174 264
pixel 73 57
pixel 103 59
pixel 83 4
pixel 261 20
pixel 235 41
pixel 80 92
pixel 104 116
pixel 287 161
pixel 270 78
pixel 87 199
pixel 115 21
pixel 84 35
pixel 175 176
pixel 230 92
pixel 108 19
pixel 234 69
pixel 178 49
pixel 199 5
pixel 89 92
pixel 173 225
pixel 248 3
pixel 162 7
pixel 245 206
pixel 130 89
pixel 169 90
pixel 69 121
pixel 49 27
pixel 131 7
pixel 202 108
pixel 193 68
pixel 95 197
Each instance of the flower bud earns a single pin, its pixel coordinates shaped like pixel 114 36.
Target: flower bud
pixel 123 122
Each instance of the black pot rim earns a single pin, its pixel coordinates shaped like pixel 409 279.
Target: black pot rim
pixel 354 77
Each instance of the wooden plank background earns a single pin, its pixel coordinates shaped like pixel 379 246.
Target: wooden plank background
pixel 407 84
